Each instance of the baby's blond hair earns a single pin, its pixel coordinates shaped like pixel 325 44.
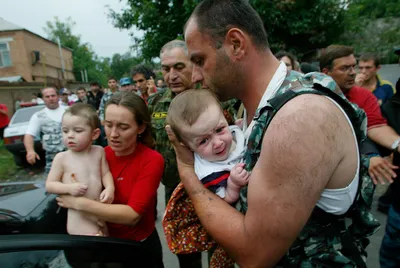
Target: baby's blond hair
pixel 86 112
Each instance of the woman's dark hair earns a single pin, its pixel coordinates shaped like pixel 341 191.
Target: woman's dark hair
pixel 282 54
pixel 141 69
pixel 138 108
pixel 216 18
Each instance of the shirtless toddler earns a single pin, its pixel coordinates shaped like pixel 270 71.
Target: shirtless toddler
pixel 83 169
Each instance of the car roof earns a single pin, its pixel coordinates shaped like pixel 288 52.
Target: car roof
pixel 31 109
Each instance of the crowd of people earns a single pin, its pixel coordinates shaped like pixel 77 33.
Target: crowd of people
pixel 272 186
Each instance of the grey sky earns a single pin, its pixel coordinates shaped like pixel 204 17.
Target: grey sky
pixel 92 23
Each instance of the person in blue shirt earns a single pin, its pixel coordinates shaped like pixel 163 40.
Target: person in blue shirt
pixel 368 78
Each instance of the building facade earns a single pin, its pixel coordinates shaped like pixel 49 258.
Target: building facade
pixel 32 58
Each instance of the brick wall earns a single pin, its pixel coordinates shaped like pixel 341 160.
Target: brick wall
pixel 21 47
pixel 20 64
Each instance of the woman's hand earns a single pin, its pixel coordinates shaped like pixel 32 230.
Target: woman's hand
pixel 184 157
pixel 68 201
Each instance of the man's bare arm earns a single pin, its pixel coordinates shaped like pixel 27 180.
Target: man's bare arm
pixel 31 155
pixel 29 143
pixel 383 135
pixel 299 155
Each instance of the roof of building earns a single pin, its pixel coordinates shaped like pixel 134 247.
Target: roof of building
pixel 6 26
pixel 12 79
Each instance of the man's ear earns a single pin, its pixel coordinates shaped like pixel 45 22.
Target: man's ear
pixel 96 134
pixel 236 40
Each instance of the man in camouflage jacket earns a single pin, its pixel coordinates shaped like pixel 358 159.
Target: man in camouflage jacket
pixel 308 146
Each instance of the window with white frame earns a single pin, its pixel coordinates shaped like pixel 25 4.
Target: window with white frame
pixel 5 59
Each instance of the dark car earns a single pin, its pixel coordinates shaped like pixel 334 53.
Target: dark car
pixel 26 208
pixel 62 251
pixel 14 134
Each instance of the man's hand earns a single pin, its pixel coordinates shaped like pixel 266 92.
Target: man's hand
pixel 239 175
pixel 151 86
pixel 107 196
pixel 184 157
pixel 360 79
pixel 380 170
pixel 31 157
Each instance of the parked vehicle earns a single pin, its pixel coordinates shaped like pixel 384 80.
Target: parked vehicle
pixel 14 134
pixel 26 208
pixel 65 251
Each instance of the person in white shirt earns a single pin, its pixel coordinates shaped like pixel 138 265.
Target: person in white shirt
pixel 37 99
pixel 47 124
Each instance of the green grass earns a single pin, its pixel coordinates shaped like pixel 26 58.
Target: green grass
pixel 7 165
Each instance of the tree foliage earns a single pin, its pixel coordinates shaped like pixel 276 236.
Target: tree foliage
pixel 298 26
pixel 372 26
pixel 83 55
pixel 84 58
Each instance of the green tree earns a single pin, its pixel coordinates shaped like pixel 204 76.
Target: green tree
pixel 298 26
pixel 84 58
pixel 121 65
pixel 372 26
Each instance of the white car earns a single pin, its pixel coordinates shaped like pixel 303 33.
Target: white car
pixel 14 134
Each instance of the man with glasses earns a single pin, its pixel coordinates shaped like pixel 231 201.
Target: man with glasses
pixel 339 62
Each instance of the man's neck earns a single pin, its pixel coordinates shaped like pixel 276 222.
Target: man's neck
pixel 261 67
pixel 113 90
pixel 371 83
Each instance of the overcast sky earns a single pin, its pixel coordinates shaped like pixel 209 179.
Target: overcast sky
pixel 92 23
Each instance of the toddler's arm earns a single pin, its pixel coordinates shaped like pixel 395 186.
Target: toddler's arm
pixel 54 184
pixel 107 195
pixel 238 178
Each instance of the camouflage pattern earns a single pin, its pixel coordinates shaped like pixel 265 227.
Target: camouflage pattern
pixel 158 105
pixel 51 138
pixel 321 243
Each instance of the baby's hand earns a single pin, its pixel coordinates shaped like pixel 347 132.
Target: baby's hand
pixel 107 196
pixel 77 189
pixel 239 175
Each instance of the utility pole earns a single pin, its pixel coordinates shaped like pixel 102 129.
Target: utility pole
pixel 44 69
pixel 61 57
pixel 87 81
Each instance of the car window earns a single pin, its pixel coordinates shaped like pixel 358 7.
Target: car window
pixel 24 114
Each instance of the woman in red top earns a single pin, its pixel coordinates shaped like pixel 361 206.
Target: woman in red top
pixel 137 171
